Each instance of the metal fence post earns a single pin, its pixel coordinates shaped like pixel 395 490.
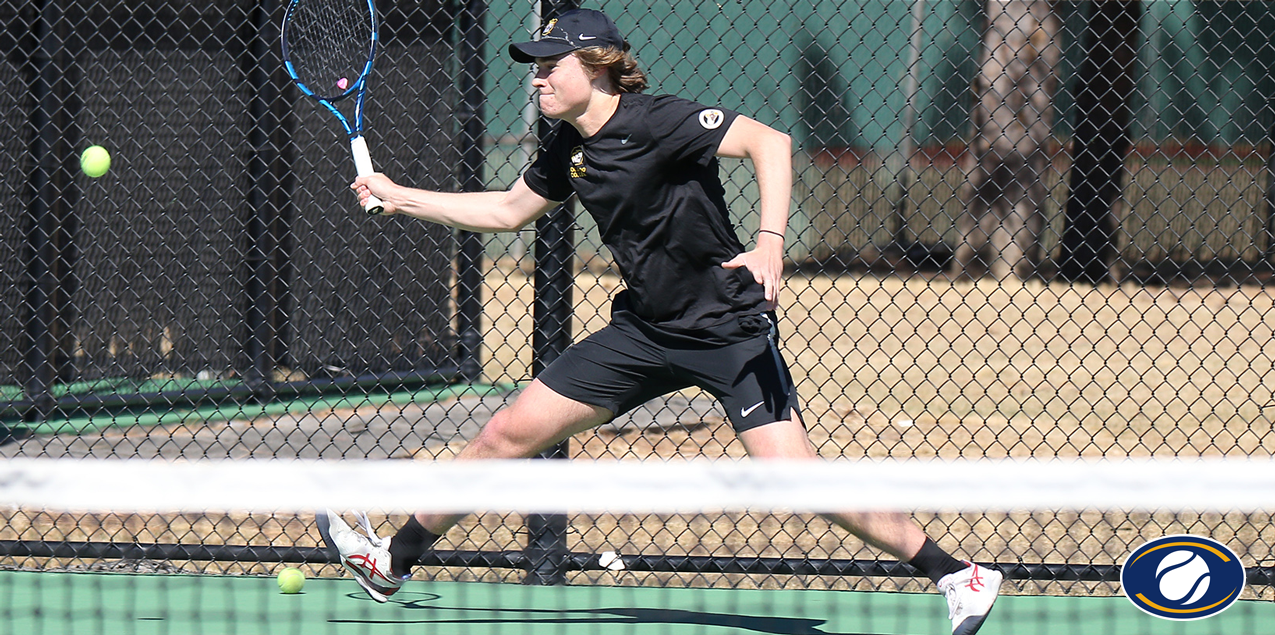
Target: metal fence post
pixel 554 249
pixel 1268 225
pixel 260 345
pixel 53 195
pixel 469 255
pixel 1101 141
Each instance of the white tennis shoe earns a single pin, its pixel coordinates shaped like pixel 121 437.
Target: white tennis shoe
pixel 970 594
pixel 366 557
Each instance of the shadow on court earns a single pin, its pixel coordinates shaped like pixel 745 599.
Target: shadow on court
pixel 616 616
pixel 478 612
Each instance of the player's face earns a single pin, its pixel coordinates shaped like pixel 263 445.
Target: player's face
pixel 563 86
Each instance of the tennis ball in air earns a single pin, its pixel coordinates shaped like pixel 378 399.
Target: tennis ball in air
pixel 291 580
pixel 95 161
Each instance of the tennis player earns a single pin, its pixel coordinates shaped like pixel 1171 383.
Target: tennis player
pixel 697 309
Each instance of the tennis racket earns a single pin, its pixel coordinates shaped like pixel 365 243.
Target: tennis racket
pixel 328 48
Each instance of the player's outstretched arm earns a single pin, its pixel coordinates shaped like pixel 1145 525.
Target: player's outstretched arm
pixel 471 211
pixel 771 153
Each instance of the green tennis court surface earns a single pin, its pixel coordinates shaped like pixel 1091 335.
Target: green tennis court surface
pixel 32 602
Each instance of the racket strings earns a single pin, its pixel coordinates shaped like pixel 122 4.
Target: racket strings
pixel 329 42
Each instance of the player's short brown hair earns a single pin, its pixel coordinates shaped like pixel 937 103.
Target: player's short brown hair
pixel 621 66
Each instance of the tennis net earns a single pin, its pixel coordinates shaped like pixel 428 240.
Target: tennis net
pixel 642 547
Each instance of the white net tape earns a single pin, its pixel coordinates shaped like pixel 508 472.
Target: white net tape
pixel 638 487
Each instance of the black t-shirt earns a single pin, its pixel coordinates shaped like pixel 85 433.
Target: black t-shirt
pixel 649 178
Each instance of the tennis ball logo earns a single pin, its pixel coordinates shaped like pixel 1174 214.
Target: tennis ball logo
pixel 1183 577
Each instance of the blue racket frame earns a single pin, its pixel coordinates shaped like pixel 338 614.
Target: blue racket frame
pixel 358 145
pixel 358 88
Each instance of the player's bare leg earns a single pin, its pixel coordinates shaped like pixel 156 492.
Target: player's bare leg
pixel 894 532
pixel 535 421
pixel 970 589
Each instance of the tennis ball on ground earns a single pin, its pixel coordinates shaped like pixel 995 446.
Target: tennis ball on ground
pixel 95 161
pixel 291 580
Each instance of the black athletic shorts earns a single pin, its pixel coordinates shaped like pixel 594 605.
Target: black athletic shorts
pixel 620 368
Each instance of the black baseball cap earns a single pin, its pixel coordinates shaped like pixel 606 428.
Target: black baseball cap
pixel 571 31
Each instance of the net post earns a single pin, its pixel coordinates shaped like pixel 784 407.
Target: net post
pixel 554 249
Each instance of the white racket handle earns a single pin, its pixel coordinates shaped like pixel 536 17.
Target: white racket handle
pixel 363 167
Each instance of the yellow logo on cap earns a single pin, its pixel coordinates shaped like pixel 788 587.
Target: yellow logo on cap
pixel 549 27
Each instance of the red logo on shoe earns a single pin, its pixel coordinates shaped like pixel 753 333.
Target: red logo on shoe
pixel 976 581
pixel 368 564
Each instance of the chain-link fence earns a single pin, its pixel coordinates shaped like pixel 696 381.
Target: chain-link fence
pixel 1019 228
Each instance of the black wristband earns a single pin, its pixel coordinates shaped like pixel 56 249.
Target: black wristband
pixel 767 231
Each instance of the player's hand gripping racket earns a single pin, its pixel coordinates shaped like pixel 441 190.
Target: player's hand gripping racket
pixel 328 48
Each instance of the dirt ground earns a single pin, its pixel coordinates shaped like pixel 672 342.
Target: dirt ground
pixel 988 369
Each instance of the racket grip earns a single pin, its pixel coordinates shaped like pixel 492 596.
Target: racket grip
pixel 363 167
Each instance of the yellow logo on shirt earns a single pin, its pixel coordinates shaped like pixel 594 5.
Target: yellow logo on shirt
pixel 577 162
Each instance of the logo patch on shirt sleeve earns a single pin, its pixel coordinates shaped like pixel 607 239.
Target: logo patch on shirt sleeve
pixel 711 119
pixel 577 162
